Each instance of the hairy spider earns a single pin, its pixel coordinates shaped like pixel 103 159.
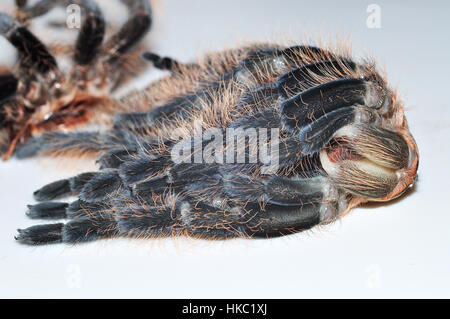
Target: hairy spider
pixel 39 96
pixel 342 140
pixel 338 132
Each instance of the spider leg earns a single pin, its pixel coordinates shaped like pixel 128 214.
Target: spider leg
pixel 279 220
pixel 132 31
pixel 178 109
pixel 162 63
pixel 206 221
pixel 295 81
pixel 8 88
pixel 92 217
pixel 317 113
pixel 144 221
pixel 76 142
pixel 40 234
pixel 281 205
pixel 160 209
pixel 116 157
pixel 123 215
pixel 275 190
pixel 180 202
pixel 275 62
pixel 48 210
pixel 262 97
pixel 138 222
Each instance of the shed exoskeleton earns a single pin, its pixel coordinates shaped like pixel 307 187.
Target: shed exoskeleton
pixel 338 134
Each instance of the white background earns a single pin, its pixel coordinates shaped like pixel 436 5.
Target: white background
pixel 399 249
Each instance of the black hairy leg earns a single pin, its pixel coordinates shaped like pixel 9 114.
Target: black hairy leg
pixel 259 66
pixel 50 99
pixel 132 31
pixel 188 105
pixel 76 143
pixel 162 63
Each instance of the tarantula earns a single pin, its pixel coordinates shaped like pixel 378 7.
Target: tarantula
pixel 38 95
pixel 339 135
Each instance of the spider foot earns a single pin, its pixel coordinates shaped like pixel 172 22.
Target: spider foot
pixel 40 234
pixel 63 188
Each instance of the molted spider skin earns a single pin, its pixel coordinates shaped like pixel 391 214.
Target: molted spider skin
pixel 342 140
pixel 39 96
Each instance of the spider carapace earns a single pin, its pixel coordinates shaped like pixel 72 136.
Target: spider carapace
pixel 336 132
